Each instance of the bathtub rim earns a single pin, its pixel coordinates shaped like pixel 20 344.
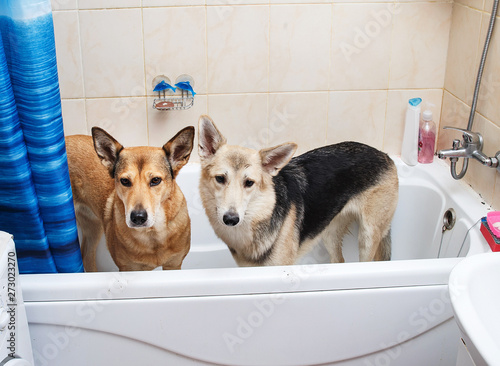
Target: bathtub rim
pixel 236 281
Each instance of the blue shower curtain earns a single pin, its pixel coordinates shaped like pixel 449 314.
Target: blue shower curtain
pixel 36 203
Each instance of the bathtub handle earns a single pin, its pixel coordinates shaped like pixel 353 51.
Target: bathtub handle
pixel 468 136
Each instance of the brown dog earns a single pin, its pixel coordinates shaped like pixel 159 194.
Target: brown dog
pixel 132 198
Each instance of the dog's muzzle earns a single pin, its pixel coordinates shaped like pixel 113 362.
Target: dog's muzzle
pixel 231 218
pixel 139 217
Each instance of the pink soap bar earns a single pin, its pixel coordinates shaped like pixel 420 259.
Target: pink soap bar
pixel 493 219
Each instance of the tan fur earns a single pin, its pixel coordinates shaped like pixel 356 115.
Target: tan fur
pixel 103 205
pixel 248 240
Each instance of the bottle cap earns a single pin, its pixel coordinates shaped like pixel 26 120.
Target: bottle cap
pixel 427 115
pixel 415 101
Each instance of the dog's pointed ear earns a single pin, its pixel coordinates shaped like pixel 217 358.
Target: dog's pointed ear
pixel 275 158
pixel 209 138
pixel 179 148
pixel 107 148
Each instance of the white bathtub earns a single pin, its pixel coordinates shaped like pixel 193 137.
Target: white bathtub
pixel 384 313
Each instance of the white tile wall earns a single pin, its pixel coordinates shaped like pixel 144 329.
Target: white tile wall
pixel 124 118
pixel 299 57
pixel 356 116
pixel 331 69
pixel 361 46
pixel 75 117
pixel 241 118
pixel 419 45
pixel 69 55
pixel 112 52
pixel 461 66
pixel 298 117
pixel 175 44
pixel 238 49
pixel 108 4
pixel 468 32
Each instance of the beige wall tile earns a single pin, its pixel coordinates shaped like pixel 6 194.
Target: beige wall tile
pixel 241 118
pixel 397 102
pixel 496 194
pixel 299 118
pixel 477 4
pixel 361 46
pixel 238 48
pixel 454 113
pixel 69 57
pixel 147 3
pixel 108 4
pixel 64 5
pixel 124 118
pixel 482 178
pixel 252 48
pixel 461 66
pixel 74 117
pixel 419 45
pixel 489 95
pixel 301 1
pixel 176 46
pixel 488 6
pixel 236 2
pixel 163 125
pixel 112 51
pixel 300 49
pixel 426 1
pixel 357 116
pixel 381 1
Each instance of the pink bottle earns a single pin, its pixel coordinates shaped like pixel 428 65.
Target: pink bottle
pixel 426 138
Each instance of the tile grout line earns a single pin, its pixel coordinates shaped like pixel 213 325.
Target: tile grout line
pixel 82 68
pixel 145 73
pixel 268 99
pixel 330 66
pixel 207 110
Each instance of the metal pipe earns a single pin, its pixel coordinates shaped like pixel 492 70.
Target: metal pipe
pixel 453 168
pixel 481 64
pixel 453 165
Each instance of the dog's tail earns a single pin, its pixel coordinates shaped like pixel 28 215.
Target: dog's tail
pixel 385 247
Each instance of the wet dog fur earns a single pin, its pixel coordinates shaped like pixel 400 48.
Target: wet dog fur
pixel 271 209
pixel 130 195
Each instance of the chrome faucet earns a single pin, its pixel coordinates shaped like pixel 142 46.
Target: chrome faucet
pixel 470 147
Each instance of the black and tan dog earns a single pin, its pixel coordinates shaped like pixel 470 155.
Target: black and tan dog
pixel 131 195
pixel 270 209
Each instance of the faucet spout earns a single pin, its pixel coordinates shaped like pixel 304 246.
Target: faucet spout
pixel 451 153
pixel 454 153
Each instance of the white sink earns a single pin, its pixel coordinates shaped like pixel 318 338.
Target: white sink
pixel 475 296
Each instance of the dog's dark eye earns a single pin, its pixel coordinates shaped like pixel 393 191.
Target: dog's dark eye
pixel 249 183
pixel 155 181
pixel 125 182
pixel 220 179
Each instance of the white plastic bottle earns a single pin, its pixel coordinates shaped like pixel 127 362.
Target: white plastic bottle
pixel 409 148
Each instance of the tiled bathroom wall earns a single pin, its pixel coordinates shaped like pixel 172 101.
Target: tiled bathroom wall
pixel 269 71
pixel 470 20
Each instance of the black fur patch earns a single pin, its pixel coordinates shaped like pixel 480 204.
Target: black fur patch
pixel 320 183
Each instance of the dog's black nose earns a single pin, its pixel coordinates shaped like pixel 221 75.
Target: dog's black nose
pixel 139 217
pixel 230 218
